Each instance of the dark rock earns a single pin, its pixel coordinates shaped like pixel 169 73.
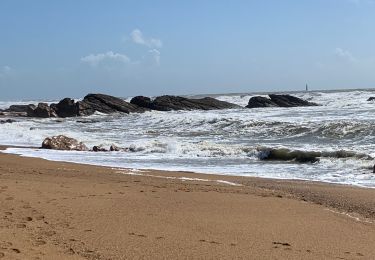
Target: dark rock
pixel 85 109
pixel 278 101
pixel 114 148
pixel 371 99
pixel 42 110
pixel 88 121
pixel 20 108
pixel 169 103
pixel 62 142
pixel 66 108
pixel 258 101
pixel 99 149
pixel 284 154
pixel 8 121
pixel 142 101
pixel 290 101
pixel 105 104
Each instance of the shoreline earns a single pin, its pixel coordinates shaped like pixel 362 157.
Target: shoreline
pixel 4 147
pixel 317 192
pixel 60 210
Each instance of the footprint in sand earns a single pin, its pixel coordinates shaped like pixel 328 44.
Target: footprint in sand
pixel 39 217
pixel 40 243
pixel 28 218
pixel 284 245
pixel 21 226
pixel 210 242
pixel 139 235
pixel 49 233
pixel 357 254
pixel 16 250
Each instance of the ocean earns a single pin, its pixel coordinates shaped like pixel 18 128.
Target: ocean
pixel 228 142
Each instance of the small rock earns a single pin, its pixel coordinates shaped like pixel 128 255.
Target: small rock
pixel 62 142
pixel 8 121
pixel 99 149
pixel 114 148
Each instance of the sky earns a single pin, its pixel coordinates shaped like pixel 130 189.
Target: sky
pixel 54 49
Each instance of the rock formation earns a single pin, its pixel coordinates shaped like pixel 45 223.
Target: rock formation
pixel 169 103
pixel 278 101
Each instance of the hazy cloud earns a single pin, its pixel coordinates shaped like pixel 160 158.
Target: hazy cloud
pixel 155 55
pixel 5 71
pixel 96 59
pixel 344 55
pixel 137 37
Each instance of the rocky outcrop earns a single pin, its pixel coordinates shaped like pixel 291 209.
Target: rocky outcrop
pixel 20 108
pixel 91 103
pixel 105 104
pixel 42 110
pixel 169 103
pixel 66 108
pixel 62 142
pixel 278 101
pixel 142 101
pixel 290 101
pixel 371 99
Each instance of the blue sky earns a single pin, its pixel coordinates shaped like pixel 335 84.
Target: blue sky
pixel 53 49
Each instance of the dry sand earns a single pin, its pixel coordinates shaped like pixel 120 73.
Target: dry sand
pixel 53 210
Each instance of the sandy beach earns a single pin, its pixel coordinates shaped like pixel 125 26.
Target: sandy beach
pixel 56 210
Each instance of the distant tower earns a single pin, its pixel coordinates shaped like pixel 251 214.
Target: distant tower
pixel 307 87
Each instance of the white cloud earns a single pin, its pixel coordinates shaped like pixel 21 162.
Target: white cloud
pixel 344 55
pixel 96 59
pixel 155 55
pixel 137 37
pixel 5 71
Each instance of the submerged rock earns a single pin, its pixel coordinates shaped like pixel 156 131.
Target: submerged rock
pixel 62 142
pixel 8 121
pixel 99 148
pixel 115 148
pixel 170 103
pixel 283 154
pixel 258 101
pixel 278 101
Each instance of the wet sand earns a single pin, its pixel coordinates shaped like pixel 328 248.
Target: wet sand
pixel 54 210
